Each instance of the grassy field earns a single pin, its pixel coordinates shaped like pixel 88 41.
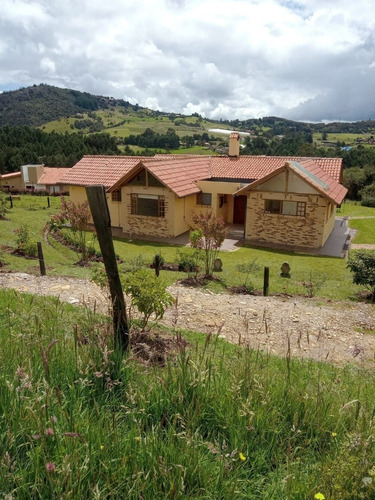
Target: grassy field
pixel 329 276
pixel 134 123
pixel 355 209
pixel 365 231
pixel 349 139
pixel 218 421
pixel 365 227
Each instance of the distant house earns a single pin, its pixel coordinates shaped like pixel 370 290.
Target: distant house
pixel 285 201
pixel 35 178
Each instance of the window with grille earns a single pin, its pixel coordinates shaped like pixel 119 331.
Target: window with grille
pixel 285 207
pixel 116 195
pixel 147 204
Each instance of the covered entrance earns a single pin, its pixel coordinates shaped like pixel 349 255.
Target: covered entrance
pixel 239 209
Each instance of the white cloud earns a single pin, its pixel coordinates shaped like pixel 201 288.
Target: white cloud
pixel 307 59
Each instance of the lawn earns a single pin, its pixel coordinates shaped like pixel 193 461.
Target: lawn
pixel 355 209
pixel 329 276
pixel 218 421
pixel 365 230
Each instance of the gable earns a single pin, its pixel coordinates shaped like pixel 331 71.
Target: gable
pixel 144 178
pixel 286 182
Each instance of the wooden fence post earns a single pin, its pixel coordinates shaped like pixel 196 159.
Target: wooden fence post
pixel 102 221
pixel 42 265
pixel 11 201
pixel 266 281
pixel 48 202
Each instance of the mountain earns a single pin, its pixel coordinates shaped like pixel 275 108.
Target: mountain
pixel 42 103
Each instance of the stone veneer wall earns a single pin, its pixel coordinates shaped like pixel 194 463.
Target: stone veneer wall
pixel 290 230
pixel 143 225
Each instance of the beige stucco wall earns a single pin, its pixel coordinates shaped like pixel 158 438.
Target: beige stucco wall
pixel 217 189
pixel 309 231
pixel 13 182
pixel 116 211
pixel 286 182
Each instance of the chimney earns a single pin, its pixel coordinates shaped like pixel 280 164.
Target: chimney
pixel 234 144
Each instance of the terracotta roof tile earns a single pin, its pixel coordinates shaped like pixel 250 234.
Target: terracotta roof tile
pixel 93 169
pixel 11 175
pixel 52 176
pixel 256 167
pixel 181 175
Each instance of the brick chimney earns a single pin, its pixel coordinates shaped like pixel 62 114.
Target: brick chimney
pixel 234 144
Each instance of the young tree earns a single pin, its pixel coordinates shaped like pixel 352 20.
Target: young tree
pixel 208 232
pixel 78 215
pixel 362 265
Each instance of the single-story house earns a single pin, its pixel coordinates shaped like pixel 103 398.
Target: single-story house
pixel 277 200
pixel 35 178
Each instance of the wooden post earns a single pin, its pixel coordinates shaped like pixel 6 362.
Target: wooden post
pixel 157 265
pixel 48 202
pixel 11 201
pixel 41 259
pixel 266 281
pixel 102 221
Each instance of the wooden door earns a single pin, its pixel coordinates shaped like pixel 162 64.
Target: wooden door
pixel 239 209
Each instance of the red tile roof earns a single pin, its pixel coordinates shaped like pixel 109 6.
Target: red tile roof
pixel 95 169
pixel 256 167
pixel 11 175
pixel 181 172
pixel 180 175
pixel 52 176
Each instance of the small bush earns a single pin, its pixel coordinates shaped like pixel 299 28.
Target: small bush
pixel 148 294
pixel 368 202
pixel 24 242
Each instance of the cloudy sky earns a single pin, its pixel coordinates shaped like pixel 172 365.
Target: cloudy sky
pixel 305 59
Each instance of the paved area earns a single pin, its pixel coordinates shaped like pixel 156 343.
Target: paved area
pixel 337 244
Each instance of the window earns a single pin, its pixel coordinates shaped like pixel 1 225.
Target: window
pixel 204 199
pixel 273 206
pixel 285 207
pixel 223 199
pixel 147 204
pixel 116 195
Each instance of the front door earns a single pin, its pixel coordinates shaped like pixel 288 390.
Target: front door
pixel 239 209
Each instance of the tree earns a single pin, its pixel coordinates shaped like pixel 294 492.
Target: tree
pixel 208 232
pixel 79 216
pixel 362 265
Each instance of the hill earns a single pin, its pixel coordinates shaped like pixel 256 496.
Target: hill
pixel 42 103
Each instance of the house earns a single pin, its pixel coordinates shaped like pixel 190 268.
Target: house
pixel 282 201
pixel 35 178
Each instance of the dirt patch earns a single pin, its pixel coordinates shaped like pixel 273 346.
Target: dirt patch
pixel 153 348
pixel 323 330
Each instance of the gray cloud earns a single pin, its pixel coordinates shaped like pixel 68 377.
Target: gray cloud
pixel 305 59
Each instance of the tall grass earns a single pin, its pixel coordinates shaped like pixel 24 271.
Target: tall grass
pixel 217 422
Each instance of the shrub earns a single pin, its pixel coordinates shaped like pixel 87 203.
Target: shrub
pixel 3 207
pixel 208 233
pixel 148 294
pixel 24 242
pixel 314 284
pixel 368 202
pixel 188 259
pixel 362 265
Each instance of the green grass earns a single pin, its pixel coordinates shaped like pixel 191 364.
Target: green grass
pixel 60 260
pixel 355 209
pixel 217 422
pixel 135 123
pixel 365 230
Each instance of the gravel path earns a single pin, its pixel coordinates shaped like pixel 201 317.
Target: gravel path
pixel 334 331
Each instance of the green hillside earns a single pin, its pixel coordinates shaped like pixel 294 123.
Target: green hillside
pixel 41 104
